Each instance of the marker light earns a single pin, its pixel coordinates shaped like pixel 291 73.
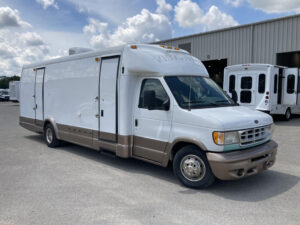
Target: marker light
pixel 97 59
pixel 133 47
pixel 162 46
pixel 169 47
pixel 176 48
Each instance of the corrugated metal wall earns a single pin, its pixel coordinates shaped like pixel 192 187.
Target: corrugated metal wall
pixel 257 43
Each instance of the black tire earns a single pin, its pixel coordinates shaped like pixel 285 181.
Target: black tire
pixel 206 176
pixel 51 142
pixel 288 114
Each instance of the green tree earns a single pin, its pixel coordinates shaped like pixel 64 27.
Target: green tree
pixel 4 81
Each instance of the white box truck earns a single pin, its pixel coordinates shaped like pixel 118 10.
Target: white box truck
pixel 14 91
pixel 268 88
pixel 150 102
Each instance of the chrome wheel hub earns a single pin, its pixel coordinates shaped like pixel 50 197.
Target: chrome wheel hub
pixel 192 168
pixel 49 135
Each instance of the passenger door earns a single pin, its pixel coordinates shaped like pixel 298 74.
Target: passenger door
pixel 246 89
pixel 39 95
pixel 152 121
pixel 108 98
pixel 290 86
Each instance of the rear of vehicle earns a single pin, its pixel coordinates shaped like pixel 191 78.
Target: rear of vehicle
pixel 252 85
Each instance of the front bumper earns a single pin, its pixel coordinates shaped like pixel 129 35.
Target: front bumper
pixel 239 164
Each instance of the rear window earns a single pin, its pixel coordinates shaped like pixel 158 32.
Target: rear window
pixel 231 83
pixel 245 97
pixel 246 83
pixel 275 83
pixel 261 83
pixel 290 84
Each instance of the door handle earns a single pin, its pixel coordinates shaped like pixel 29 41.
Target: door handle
pixel 102 113
pixel 136 123
pixel 97 115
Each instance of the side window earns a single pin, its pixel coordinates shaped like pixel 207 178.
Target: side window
pixel 261 83
pixel 155 95
pixel 231 83
pixel 275 83
pixel 246 83
pixel 290 84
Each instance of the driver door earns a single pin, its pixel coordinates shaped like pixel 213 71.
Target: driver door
pixel 152 125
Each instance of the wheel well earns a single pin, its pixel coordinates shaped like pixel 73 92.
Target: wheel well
pixel 45 124
pixel 179 146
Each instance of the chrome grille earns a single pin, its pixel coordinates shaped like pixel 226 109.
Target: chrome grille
pixel 254 135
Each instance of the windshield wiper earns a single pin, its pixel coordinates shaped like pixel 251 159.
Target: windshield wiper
pixel 223 101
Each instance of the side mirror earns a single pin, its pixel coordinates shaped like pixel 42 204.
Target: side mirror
pixel 149 99
pixel 166 105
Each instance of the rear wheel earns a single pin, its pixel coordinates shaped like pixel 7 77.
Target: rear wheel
pixel 288 114
pixel 191 167
pixel 50 136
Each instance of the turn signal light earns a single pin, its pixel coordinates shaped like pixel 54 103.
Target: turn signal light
pixel 133 47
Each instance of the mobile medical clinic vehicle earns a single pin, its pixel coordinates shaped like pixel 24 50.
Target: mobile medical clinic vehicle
pixel 150 102
pixel 268 88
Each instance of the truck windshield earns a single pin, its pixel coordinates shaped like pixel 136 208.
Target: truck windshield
pixel 192 92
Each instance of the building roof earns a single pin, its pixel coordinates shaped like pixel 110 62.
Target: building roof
pixel 230 28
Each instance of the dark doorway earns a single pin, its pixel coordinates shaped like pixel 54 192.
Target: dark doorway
pixel 215 69
pixel 288 59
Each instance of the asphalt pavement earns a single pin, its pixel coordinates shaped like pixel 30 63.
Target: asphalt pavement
pixel 76 185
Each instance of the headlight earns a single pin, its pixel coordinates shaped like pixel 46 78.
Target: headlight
pixel 270 129
pixel 226 138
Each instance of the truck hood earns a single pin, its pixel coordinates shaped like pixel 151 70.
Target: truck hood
pixel 232 118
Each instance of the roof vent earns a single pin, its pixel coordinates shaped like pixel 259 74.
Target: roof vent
pixel 78 50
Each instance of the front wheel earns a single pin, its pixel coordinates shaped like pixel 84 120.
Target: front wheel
pixel 191 167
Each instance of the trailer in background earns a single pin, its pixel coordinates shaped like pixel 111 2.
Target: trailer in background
pixel 14 90
pixel 268 88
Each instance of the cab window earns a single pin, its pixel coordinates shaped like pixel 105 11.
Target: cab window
pixel 152 95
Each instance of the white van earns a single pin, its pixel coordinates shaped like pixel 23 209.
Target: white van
pixel 14 91
pixel 150 102
pixel 268 88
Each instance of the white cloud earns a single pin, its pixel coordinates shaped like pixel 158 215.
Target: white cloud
pixel 115 11
pixel 269 6
pixel 142 28
pixel 11 18
pixel 31 39
pixel 47 3
pixel 189 14
pixel 235 3
pixel 163 7
pixel 19 45
pixel 276 6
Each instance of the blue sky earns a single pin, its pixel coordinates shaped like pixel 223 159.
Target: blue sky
pixel 33 30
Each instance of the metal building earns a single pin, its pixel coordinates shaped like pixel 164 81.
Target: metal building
pixel 275 41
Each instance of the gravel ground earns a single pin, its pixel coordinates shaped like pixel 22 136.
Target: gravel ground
pixel 76 185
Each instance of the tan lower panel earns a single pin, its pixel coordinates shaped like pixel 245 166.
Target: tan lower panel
pixel 78 135
pixel 29 124
pixel 39 123
pixel 107 136
pixel 149 148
